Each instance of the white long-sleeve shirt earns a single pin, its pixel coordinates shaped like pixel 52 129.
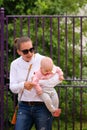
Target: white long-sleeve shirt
pixel 18 73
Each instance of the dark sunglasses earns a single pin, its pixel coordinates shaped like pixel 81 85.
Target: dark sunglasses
pixel 31 50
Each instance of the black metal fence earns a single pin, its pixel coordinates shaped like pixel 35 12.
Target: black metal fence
pixel 64 39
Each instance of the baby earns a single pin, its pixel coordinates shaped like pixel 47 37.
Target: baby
pixel 45 80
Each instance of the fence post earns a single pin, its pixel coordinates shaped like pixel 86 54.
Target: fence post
pixel 1 68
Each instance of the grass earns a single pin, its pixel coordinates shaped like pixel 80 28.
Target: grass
pixel 63 126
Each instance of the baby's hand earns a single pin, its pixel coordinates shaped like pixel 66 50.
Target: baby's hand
pixel 61 78
pixel 39 91
pixel 38 88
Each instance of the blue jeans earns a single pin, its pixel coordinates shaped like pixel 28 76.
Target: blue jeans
pixel 35 114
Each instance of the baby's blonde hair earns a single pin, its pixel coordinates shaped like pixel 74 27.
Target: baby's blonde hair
pixel 47 64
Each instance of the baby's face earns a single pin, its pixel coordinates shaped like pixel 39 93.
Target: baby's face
pixel 45 72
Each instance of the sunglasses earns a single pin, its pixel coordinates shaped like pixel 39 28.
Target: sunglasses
pixel 31 50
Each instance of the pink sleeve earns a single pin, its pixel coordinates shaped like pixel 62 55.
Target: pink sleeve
pixel 36 77
pixel 35 80
pixel 59 71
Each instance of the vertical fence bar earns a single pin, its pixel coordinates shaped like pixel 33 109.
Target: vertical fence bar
pixel 73 42
pixel 1 69
pixel 81 67
pixel 14 31
pixel 14 34
pixel 66 108
pixel 28 26
pixel 81 50
pixel 7 74
pixel 66 51
pixel 43 36
pixel 21 26
pixel 73 99
pixel 51 37
pixel 14 49
pixel 58 61
pixel 81 92
pixel 66 56
pixel 73 110
pixel 58 41
pixel 36 33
